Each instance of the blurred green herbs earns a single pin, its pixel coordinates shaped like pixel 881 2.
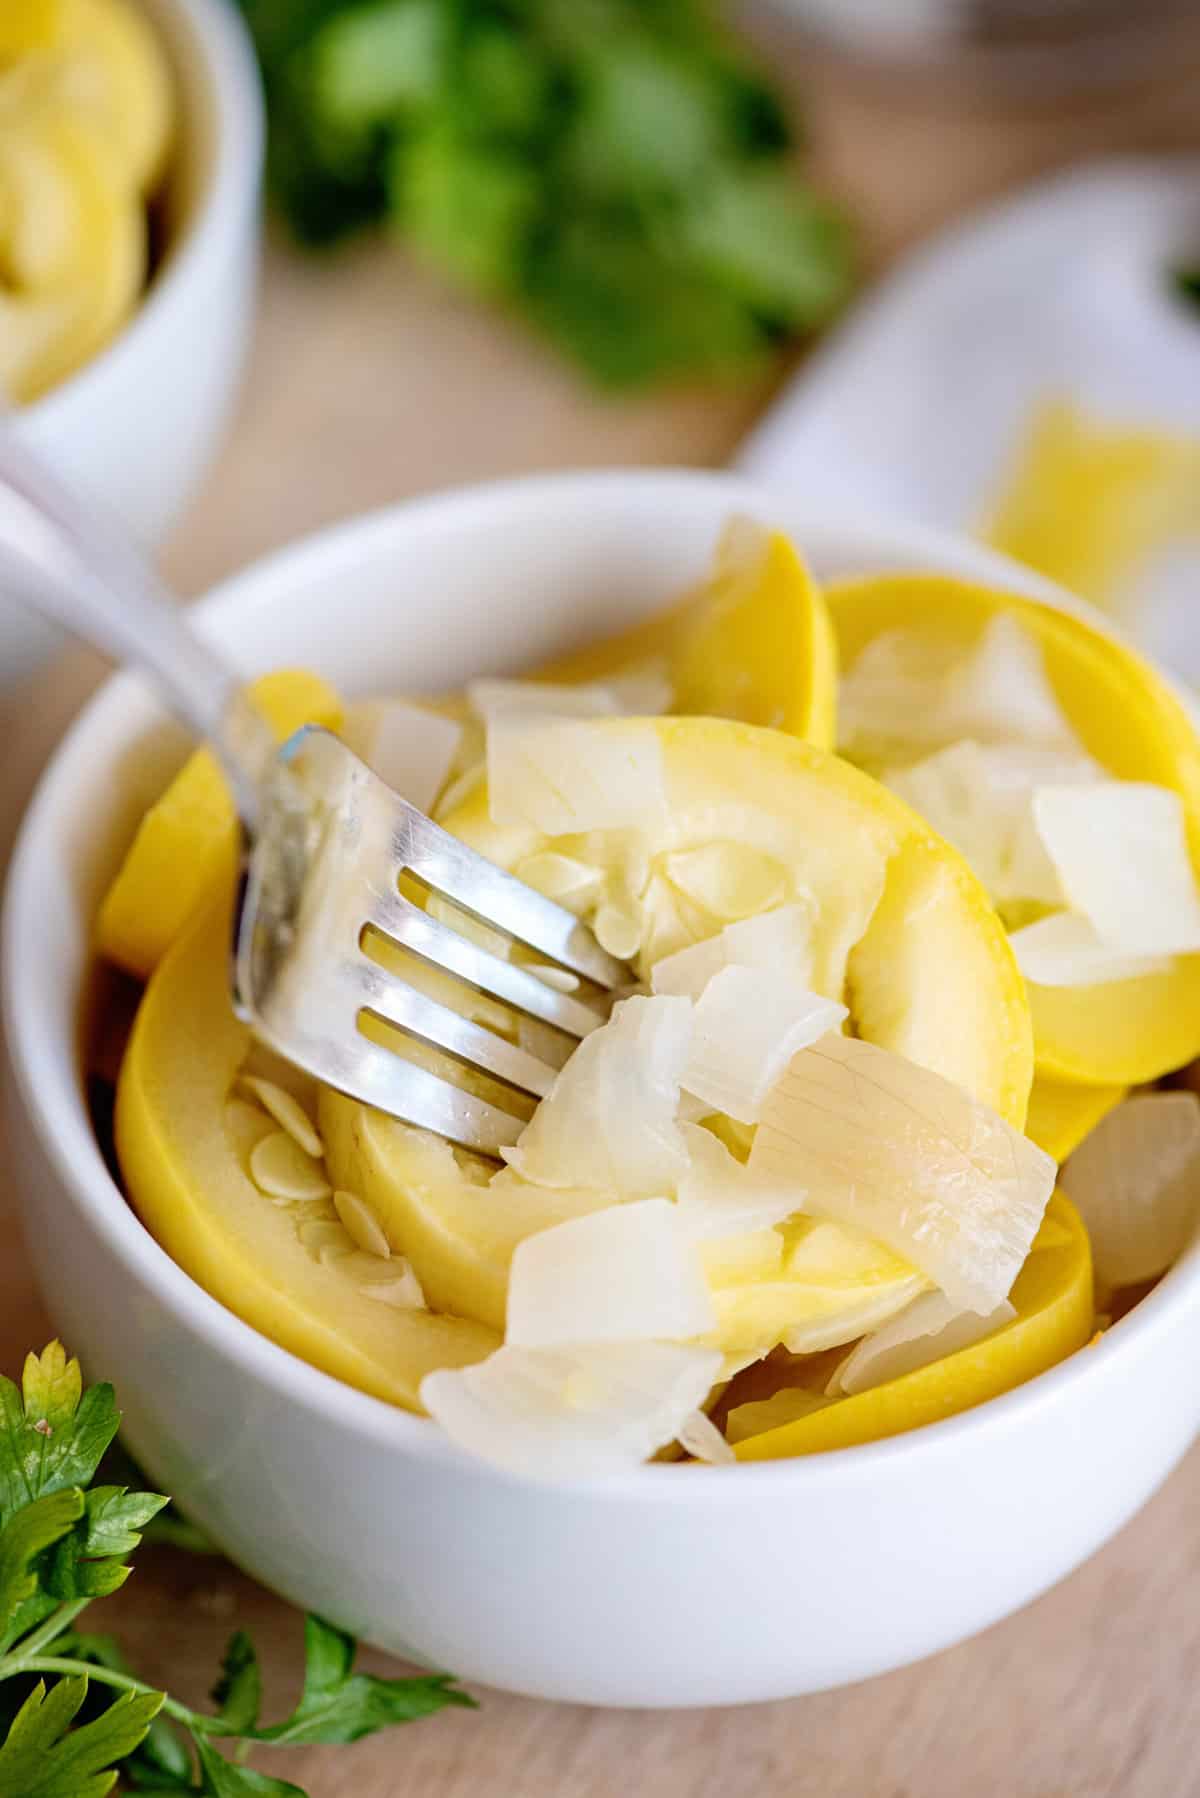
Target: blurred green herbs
pixel 612 170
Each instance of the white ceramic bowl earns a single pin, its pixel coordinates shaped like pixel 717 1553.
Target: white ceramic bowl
pixel 138 424
pixel 666 1587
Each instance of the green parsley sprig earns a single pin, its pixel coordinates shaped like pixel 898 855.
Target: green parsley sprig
pixel 65 1542
pixel 617 173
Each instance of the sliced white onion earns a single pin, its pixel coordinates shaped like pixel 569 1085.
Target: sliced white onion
pixel 1136 1182
pixel 702 1439
pixel 980 798
pixel 689 970
pixel 748 1024
pixel 410 749
pixel 625 1274
pixel 925 1331
pixel 1064 950
pixel 719 1197
pixel 608 1122
pixel 906 1156
pixel 1120 848
pixel 561 1414
pixel 563 777
pixel 912 687
pixel 780 939
pixel 852 1316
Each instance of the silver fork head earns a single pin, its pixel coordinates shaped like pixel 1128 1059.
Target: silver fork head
pixel 332 930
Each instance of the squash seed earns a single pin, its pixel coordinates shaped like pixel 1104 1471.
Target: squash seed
pixel 246 1125
pixel 326 1240
pixel 280 1168
pixel 362 1223
pixel 388 1282
pixel 288 1113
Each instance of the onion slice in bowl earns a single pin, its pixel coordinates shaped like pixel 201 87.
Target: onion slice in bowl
pixel 625 1274
pixel 1065 950
pixel 908 1157
pixel 1120 849
pixel 925 1331
pixel 609 1120
pixel 1136 1183
pixel 748 1024
pixel 572 1413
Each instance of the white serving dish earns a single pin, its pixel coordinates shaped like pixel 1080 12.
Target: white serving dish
pixel 138 424
pixel 671 1586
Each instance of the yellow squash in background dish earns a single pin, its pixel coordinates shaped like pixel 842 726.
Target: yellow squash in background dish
pixel 1128 718
pixel 86 111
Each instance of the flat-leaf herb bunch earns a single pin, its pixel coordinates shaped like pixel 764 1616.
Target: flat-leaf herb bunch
pixel 65 1541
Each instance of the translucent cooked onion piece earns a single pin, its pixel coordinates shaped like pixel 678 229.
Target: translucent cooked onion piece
pixel 909 687
pixel 411 749
pixel 980 798
pixel 565 777
pixel 925 1331
pixel 608 1122
pixel 780 939
pixel 563 1414
pixel 748 1024
pixel 1120 849
pixel 625 1274
pixel 719 1197
pixel 1064 950
pixel 703 1440
pixel 1136 1182
pixel 906 1156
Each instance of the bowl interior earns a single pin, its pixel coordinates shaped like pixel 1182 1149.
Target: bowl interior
pixel 419 597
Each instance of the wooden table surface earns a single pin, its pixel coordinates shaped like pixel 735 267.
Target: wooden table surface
pixel 368 382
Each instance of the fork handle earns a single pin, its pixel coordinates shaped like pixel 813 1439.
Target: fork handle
pixel 60 555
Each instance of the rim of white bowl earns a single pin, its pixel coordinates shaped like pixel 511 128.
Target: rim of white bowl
pixel 53 1096
pixel 208 35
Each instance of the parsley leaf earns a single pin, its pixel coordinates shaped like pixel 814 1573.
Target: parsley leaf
pixel 52 1434
pixel 339 1705
pixel 23 1539
pixel 225 1779
pixel 62 1545
pixel 43 1757
pixel 614 172
pixel 238 1692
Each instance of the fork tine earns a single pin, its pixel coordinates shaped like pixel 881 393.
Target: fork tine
pixel 412 1011
pixel 418 1097
pixel 500 900
pixel 407 925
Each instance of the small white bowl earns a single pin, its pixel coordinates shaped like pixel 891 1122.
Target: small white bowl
pixel 137 425
pixel 670 1586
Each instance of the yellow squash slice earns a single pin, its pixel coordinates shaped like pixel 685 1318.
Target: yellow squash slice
pixel 186 847
pixel 1061 1115
pixel 900 927
pixel 1127 1032
pixel 1054 1304
pixel 754 643
pixel 269 1262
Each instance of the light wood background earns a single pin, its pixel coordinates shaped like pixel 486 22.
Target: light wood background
pixel 368 382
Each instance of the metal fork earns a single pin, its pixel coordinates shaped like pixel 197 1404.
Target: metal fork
pixel 334 857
